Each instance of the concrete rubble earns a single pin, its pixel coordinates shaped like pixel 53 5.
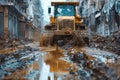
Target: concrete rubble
pixel 8 43
pixel 12 43
pixel 89 67
pixel 84 66
pixel 75 40
pixel 111 43
pixel 18 60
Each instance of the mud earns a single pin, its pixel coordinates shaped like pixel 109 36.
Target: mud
pixel 56 64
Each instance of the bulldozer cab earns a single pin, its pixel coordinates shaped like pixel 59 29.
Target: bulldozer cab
pixel 64 8
pixel 64 15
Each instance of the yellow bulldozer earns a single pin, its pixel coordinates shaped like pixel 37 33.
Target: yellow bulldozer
pixel 63 24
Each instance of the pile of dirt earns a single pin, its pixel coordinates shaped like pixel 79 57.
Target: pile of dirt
pixel 77 40
pixel 109 43
pixel 11 43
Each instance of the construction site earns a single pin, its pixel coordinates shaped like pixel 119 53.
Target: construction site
pixel 59 39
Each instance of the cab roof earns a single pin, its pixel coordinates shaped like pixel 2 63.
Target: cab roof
pixel 65 3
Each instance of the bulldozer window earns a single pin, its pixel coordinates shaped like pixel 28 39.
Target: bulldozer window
pixel 64 10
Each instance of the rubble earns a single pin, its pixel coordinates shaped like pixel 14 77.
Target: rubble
pixel 90 67
pixel 5 43
pixel 109 43
pixel 67 46
pixel 78 39
pixel 12 43
pixel 11 62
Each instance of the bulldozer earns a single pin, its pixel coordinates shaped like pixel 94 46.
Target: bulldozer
pixel 65 24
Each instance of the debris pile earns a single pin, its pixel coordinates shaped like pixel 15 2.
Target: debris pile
pixel 8 43
pixel 77 40
pixel 12 43
pixel 89 67
pixel 111 43
pixel 11 62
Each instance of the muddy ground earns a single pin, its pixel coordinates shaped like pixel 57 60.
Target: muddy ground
pixel 31 62
pixel 83 64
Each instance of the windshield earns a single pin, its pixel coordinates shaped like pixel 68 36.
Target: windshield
pixel 64 10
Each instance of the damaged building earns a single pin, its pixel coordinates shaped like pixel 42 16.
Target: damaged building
pixel 103 16
pixel 18 25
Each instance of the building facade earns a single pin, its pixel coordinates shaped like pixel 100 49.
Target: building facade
pixel 103 18
pixel 15 15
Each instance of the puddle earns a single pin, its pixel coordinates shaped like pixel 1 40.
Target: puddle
pixel 56 64
pixel 54 68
